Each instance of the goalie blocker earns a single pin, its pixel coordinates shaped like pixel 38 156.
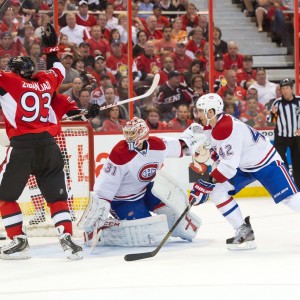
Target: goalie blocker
pixel 147 231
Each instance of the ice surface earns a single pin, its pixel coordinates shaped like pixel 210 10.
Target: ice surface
pixel 204 269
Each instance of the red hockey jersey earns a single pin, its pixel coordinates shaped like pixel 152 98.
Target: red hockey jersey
pixel 26 104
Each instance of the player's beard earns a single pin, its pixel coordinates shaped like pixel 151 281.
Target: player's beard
pixel 203 122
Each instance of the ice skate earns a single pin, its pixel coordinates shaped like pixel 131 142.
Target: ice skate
pixel 38 217
pixel 18 248
pixel 72 250
pixel 243 239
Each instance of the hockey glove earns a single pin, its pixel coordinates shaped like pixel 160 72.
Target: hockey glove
pixel 49 40
pixel 192 136
pixel 93 111
pixel 201 191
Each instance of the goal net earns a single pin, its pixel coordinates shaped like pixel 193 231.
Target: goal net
pixel 77 147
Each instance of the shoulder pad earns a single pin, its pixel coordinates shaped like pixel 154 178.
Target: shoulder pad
pixel 223 129
pixel 155 143
pixel 120 155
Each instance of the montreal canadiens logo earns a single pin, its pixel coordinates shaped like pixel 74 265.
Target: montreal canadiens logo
pixel 147 172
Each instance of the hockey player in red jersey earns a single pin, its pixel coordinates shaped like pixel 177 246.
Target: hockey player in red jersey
pixel 61 104
pixel 242 156
pixel 31 124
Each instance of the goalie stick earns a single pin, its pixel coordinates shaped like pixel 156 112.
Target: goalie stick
pixel 137 256
pixel 147 94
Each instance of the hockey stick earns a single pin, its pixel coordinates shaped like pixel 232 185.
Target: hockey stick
pixel 137 256
pixel 81 114
pixel 147 94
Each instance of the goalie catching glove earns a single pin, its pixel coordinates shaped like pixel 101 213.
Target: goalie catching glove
pixel 201 191
pixel 192 136
pixel 49 40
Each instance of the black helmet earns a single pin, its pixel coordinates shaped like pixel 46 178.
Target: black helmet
pixel 286 82
pixel 21 65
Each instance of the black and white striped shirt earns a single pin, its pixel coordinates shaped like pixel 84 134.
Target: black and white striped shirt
pixel 287 116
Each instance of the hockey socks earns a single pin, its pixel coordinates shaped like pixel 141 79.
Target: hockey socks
pixel 12 219
pixel 60 215
pixel 231 212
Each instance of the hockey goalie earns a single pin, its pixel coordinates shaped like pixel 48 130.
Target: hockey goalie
pixel 143 210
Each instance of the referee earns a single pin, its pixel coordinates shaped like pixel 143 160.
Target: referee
pixel 285 113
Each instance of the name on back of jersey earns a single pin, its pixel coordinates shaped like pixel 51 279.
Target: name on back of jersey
pixel 37 86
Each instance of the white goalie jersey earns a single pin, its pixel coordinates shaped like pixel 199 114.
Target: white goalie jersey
pixel 126 174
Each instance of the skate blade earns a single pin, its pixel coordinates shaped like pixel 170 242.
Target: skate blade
pixel 16 256
pixel 249 245
pixel 74 256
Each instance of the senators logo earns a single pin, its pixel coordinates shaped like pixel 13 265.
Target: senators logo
pixel 147 172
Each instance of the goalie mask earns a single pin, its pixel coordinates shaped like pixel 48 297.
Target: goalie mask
pixel 135 132
pixel 21 65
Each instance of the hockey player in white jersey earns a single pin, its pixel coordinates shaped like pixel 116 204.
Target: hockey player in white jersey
pixel 125 188
pixel 243 155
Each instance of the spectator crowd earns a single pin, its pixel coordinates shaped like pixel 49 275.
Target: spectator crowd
pixel 169 38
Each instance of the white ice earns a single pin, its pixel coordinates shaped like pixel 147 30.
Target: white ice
pixel 204 269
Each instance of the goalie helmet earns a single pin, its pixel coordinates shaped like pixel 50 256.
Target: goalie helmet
pixel 210 101
pixel 21 65
pixel 135 132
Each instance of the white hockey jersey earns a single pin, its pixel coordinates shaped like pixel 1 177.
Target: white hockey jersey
pixel 126 174
pixel 239 146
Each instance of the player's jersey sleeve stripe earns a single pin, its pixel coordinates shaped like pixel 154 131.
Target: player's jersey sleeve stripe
pixel 9 107
pixel 52 116
pixel 218 176
pixel 59 66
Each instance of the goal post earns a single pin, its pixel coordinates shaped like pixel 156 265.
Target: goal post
pixel 76 142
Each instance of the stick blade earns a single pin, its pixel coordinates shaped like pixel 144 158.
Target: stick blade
pixel 138 256
pixel 155 82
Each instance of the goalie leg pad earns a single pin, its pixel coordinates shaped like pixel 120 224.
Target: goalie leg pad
pixel 169 191
pixel 132 233
pixel 187 229
pixel 96 210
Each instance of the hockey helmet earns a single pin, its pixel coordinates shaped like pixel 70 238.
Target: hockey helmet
pixel 210 101
pixel 286 82
pixel 21 65
pixel 135 132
